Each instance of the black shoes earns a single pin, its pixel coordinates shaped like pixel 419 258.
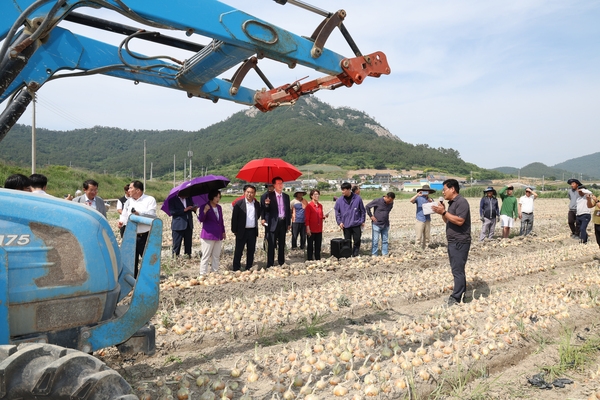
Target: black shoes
pixel 451 302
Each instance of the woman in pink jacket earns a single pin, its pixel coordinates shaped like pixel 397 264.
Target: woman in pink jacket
pixel 213 232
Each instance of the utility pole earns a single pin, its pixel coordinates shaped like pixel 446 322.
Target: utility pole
pixel 151 164
pixel 542 183
pixel 144 164
pixel 184 169
pixel 190 154
pixel 33 157
pixel 174 170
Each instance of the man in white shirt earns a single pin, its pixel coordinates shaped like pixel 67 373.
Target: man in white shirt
pixel 526 211
pixel 244 225
pixel 139 204
pixel 584 214
pixel 91 198
pixel 120 205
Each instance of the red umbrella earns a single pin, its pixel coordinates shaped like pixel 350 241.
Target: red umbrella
pixel 265 169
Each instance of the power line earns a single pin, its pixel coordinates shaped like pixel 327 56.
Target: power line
pixel 48 105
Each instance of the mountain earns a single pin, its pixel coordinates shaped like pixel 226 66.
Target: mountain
pixel 310 132
pixel 587 165
pixel 539 170
pixel 507 170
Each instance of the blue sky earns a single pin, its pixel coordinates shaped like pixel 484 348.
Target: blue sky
pixel 503 82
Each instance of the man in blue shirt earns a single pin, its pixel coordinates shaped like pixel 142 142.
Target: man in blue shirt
pixel 423 224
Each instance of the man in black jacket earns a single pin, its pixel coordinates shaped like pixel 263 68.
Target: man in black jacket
pixel 488 213
pixel 182 223
pixel 277 215
pixel 244 225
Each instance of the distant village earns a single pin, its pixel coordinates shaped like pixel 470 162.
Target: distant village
pixel 383 182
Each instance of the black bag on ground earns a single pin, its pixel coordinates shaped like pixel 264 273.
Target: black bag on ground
pixel 341 248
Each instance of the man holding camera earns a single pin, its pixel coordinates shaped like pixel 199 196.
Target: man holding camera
pixel 423 224
pixel 139 204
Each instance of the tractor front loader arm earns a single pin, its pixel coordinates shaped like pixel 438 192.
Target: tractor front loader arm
pixel 35 49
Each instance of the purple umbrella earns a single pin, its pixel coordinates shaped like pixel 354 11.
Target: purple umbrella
pixel 198 189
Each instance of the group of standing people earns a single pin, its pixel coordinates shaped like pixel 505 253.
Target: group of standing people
pixel 277 215
pixel 583 209
pixel 512 209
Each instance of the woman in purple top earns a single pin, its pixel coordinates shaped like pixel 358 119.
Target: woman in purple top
pixel 213 232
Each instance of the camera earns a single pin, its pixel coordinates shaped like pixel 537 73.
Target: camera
pixel 133 210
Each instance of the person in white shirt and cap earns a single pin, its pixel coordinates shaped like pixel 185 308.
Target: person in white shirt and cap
pixel 584 214
pixel 526 211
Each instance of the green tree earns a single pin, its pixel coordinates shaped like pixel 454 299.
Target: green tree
pixel 323 186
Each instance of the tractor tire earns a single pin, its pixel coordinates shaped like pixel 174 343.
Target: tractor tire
pixel 33 371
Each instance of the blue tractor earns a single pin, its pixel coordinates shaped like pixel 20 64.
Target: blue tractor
pixel 63 279
pixel 66 287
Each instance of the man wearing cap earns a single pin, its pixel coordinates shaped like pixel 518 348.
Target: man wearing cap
pixel 380 218
pixel 526 211
pixel 509 211
pixel 423 224
pixel 584 214
pixel 572 217
pixel 298 205
pixel 489 213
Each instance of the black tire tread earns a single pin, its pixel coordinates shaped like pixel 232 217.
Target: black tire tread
pixel 33 371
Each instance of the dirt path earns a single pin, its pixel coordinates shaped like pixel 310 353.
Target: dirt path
pixel 523 294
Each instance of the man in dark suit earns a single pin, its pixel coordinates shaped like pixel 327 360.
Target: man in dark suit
pixel 182 224
pixel 270 189
pixel 244 225
pixel 278 217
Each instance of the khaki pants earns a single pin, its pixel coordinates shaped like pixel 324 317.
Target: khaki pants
pixel 423 232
